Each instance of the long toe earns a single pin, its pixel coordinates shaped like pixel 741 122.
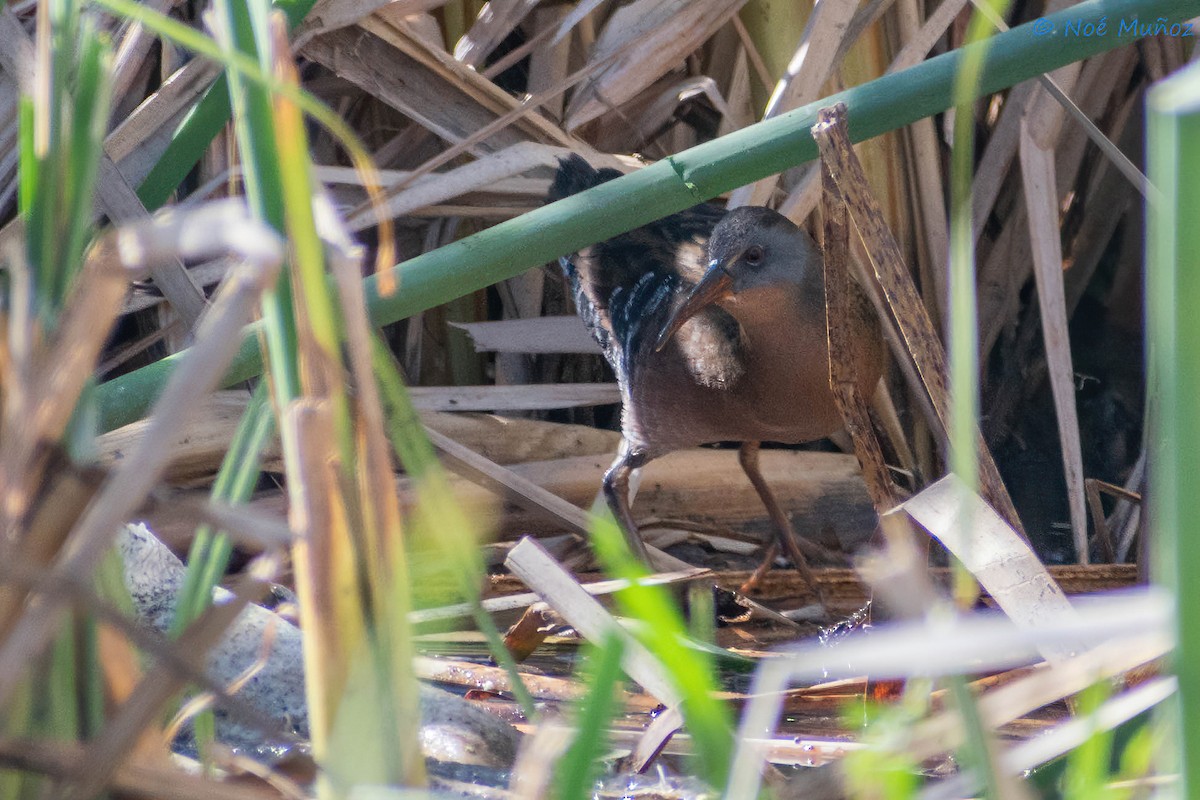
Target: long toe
pixel 770 552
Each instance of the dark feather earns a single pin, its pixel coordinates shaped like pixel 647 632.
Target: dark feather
pixel 625 288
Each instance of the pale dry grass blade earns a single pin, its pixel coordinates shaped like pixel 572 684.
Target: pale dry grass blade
pixel 754 57
pixel 319 557
pixel 137 777
pixel 1037 173
pixel 346 262
pixel 803 196
pixel 58 372
pixel 442 103
pixel 1109 198
pixel 918 44
pixel 926 173
pixel 811 65
pixel 653 36
pixel 523 110
pixel 549 62
pixel 131 53
pixel 517 602
pixel 198 448
pixel 866 16
pixel 329 15
pixel 514 190
pixel 654 739
pixel 819 491
pixel 1067 736
pixel 560 591
pixel 1008 264
pixel 37 531
pixel 510 485
pixel 428 85
pixel 531 45
pixel 1043 686
pixel 43 384
pixel 739 110
pixel 840 29
pixel 522 299
pixel 474 208
pixel 949 646
pixel 496 20
pixel 1045 121
pixel 168 326
pixel 533 772
pixel 661 110
pixel 483 174
pixel 995 554
pixel 576 15
pixel 924 159
pixel 514 398
pixel 560 334
pixel 244 526
pixel 120 203
pixel 1001 148
pixel 1128 517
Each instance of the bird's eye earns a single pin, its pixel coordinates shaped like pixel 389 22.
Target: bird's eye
pixel 753 255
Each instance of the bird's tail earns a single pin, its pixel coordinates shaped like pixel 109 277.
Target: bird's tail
pixel 576 175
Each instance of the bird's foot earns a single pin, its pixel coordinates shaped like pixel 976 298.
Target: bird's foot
pixel 756 577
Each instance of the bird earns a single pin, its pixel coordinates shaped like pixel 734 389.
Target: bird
pixel 713 322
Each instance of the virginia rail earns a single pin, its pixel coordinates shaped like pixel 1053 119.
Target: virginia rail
pixel 714 323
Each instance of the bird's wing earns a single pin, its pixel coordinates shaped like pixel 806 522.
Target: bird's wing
pixel 626 287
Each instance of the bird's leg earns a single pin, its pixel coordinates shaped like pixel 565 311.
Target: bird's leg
pixel 785 536
pixel 616 492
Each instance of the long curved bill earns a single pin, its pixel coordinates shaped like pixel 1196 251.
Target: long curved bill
pixel 716 284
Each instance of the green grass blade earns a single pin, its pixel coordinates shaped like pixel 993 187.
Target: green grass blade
pixel 580 766
pixel 664 633
pixel 27 171
pixel 89 121
pixel 1087 774
pixel 438 514
pixel 254 126
pixel 1173 278
pixel 209 554
pixel 963 351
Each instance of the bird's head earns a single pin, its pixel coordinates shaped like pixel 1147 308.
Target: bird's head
pixel 751 250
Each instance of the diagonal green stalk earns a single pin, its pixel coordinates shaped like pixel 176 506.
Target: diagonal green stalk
pixel 689 177
pixel 201 126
